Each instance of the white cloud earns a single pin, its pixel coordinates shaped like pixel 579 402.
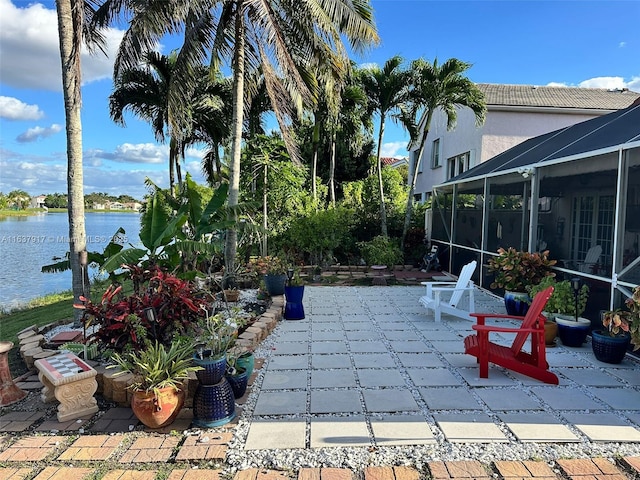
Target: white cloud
pixel 622 44
pixel 13 109
pixel 148 153
pixel 393 149
pixel 609 83
pixel 30 52
pixel 37 133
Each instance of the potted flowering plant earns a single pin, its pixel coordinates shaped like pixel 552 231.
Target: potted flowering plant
pixel 274 271
pixel 514 270
pixel 621 328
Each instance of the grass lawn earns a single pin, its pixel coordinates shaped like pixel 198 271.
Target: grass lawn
pixel 49 310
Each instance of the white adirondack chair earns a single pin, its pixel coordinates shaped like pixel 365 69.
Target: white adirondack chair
pixel 445 296
pixel 590 259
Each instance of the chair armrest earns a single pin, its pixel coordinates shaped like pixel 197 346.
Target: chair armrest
pixel 434 284
pixel 493 328
pixel 447 289
pixel 495 315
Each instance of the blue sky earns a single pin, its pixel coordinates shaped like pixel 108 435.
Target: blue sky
pixel 565 43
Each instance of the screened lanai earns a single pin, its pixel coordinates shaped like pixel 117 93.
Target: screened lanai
pixel 574 192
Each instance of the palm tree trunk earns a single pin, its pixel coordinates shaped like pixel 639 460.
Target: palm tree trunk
pixel 172 162
pixel 231 241
pixel 314 163
pixel 265 222
pixel 383 208
pixel 414 179
pixel 70 17
pixel 332 170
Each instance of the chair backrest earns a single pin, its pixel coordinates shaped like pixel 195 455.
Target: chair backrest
pixel 463 282
pixel 530 319
pixel 592 257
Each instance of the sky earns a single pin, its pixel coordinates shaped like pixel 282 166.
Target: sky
pixel 573 43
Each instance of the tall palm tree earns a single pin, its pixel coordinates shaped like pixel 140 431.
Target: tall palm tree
pixel 388 90
pixel 286 40
pixel 144 91
pixel 72 30
pixel 437 87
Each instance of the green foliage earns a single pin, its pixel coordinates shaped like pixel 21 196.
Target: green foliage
pixel 563 299
pixel 364 198
pixel 123 321
pixel 56 200
pixel 178 232
pixel 381 251
pixel 619 322
pixel 156 367
pixel 515 270
pixel 320 237
pixel 286 194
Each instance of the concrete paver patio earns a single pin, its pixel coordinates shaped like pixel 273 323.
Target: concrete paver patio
pixel 369 367
pixel 401 382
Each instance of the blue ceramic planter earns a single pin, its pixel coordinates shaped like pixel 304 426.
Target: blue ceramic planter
pixel 572 333
pixel 609 349
pixel 213 368
pixel 517 303
pixel 275 284
pixel 213 405
pixel 293 309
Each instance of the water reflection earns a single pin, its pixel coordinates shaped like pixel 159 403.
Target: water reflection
pixel 28 243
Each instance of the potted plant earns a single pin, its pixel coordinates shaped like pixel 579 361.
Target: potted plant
pixel 158 373
pixel 236 374
pixel 621 328
pixel 214 400
pixel 293 293
pixel 561 311
pixel 214 335
pixel 514 270
pixel 273 269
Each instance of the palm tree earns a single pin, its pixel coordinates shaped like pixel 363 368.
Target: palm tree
pixel 286 40
pixel 144 91
pixel 387 89
pixel 435 87
pixel 72 29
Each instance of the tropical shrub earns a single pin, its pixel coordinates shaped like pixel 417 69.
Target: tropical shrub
pixel 381 251
pixel 161 307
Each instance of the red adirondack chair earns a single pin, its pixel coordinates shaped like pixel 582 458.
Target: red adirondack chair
pixel 533 364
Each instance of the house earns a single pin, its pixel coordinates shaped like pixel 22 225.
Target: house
pixel 38 202
pixel 394 162
pixel 515 113
pixel 568 191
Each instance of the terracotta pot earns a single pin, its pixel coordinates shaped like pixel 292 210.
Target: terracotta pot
pixel 160 410
pixel 550 332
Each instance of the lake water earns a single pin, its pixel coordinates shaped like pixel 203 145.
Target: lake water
pixel 27 243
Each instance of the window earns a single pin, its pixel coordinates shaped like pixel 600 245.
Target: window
pixel 458 164
pixel 416 160
pixel 435 154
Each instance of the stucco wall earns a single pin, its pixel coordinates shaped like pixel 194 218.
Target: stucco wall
pixel 501 131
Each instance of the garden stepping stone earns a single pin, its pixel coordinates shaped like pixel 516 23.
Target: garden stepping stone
pixel 537 427
pixel 469 428
pixel 283 433
pixel 449 398
pixel 604 427
pixel 401 430
pixel 349 431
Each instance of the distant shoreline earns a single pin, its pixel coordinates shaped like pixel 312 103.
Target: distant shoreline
pixel 38 211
